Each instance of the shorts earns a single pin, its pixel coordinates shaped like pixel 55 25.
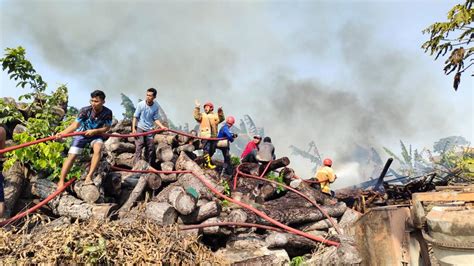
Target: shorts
pixel 2 196
pixel 80 142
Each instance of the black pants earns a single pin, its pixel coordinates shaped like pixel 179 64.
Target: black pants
pixel 251 157
pixel 147 142
pixel 209 146
pixel 227 163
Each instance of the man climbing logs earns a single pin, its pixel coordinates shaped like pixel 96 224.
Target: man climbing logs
pixel 208 128
pixel 147 115
pixel 94 120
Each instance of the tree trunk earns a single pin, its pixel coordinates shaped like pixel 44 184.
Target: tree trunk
pixel 293 244
pixel 153 181
pixel 124 159
pixel 168 166
pixel 70 206
pixel 164 153
pixel 181 201
pixel 113 184
pixel 182 139
pixel 188 180
pixel 201 213
pixel 92 193
pixel 14 180
pixel 275 164
pixel 169 138
pixel 288 175
pixel 88 193
pixel 161 212
pixel 296 210
pixel 186 148
pixel 320 225
pixel 122 147
pixel 136 193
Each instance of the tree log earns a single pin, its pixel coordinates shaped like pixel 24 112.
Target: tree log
pixel 186 148
pixel 118 146
pixel 124 159
pixel 164 153
pixel 296 210
pixel 88 193
pixel 275 164
pixel 188 180
pixel 203 212
pixel 168 166
pixel 288 175
pixel 13 186
pixel 92 193
pixel 70 206
pixel 270 191
pixel 320 225
pixel 295 245
pixel 161 212
pixel 182 139
pixel 122 147
pixel 136 193
pixel 123 127
pixel 169 138
pixel 182 201
pixel 113 184
pixel 153 181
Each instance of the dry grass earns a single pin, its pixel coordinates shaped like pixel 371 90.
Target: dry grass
pixel 137 241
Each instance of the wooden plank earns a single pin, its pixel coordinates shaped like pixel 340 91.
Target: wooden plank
pixel 443 196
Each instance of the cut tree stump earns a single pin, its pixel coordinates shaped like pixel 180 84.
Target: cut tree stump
pixel 13 186
pixel 203 212
pixel 136 193
pixel 168 166
pixel 182 201
pixel 164 153
pixel 70 206
pixel 124 159
pixel 161 212
pixel 275 164
pixel 295 245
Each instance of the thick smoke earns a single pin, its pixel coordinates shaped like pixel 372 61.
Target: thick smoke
pixel 291 67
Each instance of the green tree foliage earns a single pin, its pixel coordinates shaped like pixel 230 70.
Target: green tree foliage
pixel 129 107
pixel 450 36
pixel 43 117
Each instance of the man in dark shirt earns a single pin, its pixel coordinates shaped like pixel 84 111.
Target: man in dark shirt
pixel 94 120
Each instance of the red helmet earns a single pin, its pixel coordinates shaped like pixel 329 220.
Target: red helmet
pixel 230 120
pixel 327 162
pixel 210 105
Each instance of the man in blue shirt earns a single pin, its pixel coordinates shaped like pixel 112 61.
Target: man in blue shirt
pixel 224 145
pixel 147 114
pixel 94 120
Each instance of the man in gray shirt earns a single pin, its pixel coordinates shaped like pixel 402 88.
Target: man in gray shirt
pixel 266 151
pixel 147 114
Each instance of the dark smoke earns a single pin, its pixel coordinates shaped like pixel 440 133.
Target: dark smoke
pixel 248 57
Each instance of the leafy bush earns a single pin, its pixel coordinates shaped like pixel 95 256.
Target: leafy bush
pixel 44 116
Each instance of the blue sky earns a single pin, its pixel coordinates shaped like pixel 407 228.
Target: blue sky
pixel 337 72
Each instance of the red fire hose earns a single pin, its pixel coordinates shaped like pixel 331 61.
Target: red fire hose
pixel 39 205
pixel 251 208
pixel 23 145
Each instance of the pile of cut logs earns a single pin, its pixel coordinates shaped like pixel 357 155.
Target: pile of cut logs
pixel 183 199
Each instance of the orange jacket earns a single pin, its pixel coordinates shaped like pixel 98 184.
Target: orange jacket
pixel 208 122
